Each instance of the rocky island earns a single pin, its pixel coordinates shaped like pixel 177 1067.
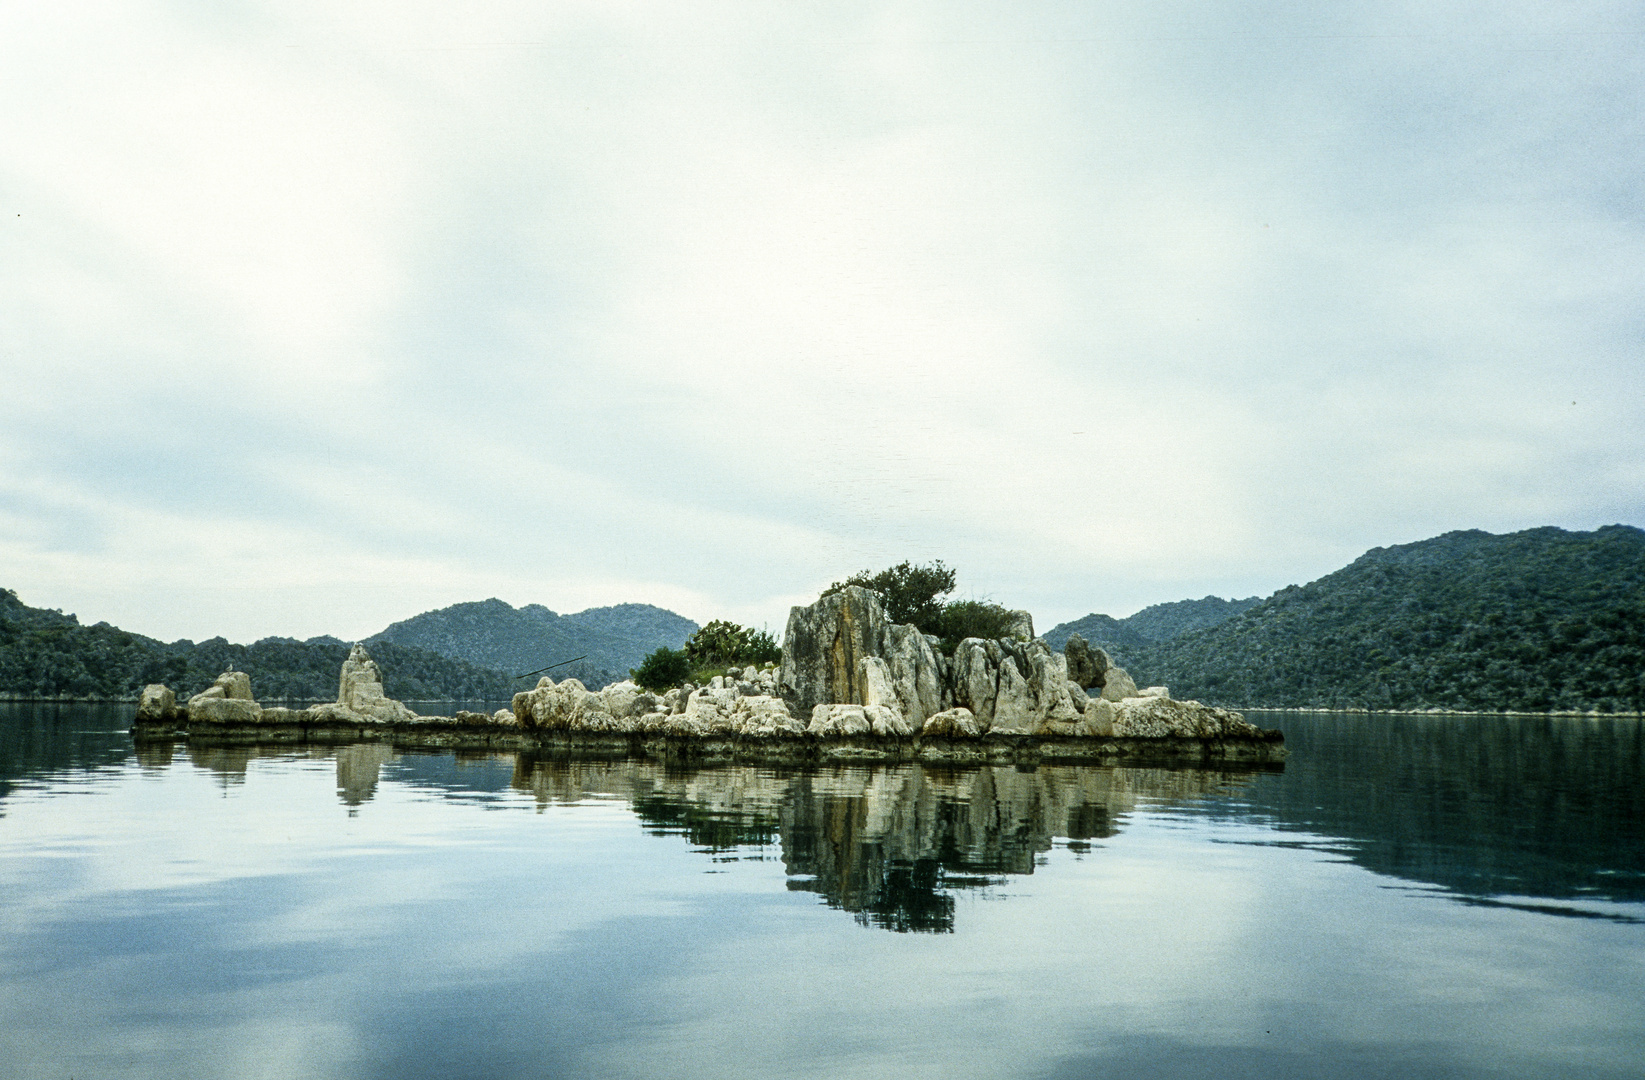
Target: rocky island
pixel 852 685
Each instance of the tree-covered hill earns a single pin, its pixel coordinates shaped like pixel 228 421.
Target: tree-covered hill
pixel 1538 620
pixel 46 654
pixel 496 635
pixel 1160 622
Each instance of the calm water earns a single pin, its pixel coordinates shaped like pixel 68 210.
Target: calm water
pixel 1411 897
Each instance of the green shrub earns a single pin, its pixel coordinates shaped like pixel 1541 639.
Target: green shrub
pixel 721 644
pixel 911 594
pixel 971 618
pixel 662 670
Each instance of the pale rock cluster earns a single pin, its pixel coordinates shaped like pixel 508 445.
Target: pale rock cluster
pixel 846 672
pixel 227 700
pixel 740 702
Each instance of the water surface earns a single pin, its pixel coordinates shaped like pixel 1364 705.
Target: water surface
pixel 1409 896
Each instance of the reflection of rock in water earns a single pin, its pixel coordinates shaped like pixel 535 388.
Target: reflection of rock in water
pixel 890 844
pixel 358 767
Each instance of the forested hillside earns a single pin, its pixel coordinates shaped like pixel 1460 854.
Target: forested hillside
pixel 494 634
pixel 1160 622
pixel 45 653
pixel 1538 620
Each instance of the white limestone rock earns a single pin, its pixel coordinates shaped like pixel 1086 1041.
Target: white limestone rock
pixel 1098 721
pixel 838 719
pixel 1015 710
pixel 223 710
pixel 1117 685
pixel 1158 717
pixel 953 723
pixel 916 674
pixel 360 689
pixel 1154 691
pixel 887 720
pixel 976 678
pixel 874 682
pixel 823 644
pixel 157 705
pixel 763 714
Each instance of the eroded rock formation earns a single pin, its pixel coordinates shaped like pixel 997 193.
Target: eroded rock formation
pixel 847 673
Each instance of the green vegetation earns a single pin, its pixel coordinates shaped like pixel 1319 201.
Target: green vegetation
pixel 970 618
pixel 46 654
pixel 913 594
pixel 721 644
pixel 1541 620
pixel 662 670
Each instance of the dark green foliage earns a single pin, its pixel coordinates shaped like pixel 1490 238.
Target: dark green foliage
pixel 970 618
pixel 911 594
pixel 1160 622
pixel 723 643
pixel 46 654
pixel 1115 636
pixel 1541 620
pixel 663 669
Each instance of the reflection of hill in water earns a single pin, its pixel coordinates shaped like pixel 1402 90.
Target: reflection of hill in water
pixel 1540 806
pixel 890 844
pixel 1489 806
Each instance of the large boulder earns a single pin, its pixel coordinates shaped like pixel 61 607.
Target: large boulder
pixel 953 723
pixel 360 690
pixel 1117 685
pixel 1160 717
pixel 215 709
pixel 227 700
pixel 158 705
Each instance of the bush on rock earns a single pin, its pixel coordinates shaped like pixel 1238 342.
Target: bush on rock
pixel 663 669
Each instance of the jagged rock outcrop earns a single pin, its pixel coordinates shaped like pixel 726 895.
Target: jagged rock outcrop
pixel 1013 687
pixel 826 644
pixel 899 687
pixel 1086 666
pixel 854 673
pixel 360 690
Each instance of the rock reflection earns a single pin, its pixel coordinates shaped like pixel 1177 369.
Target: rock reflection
pixel 890 844
pixel 358 769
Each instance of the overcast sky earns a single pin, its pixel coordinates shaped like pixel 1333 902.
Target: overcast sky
pixel 316 316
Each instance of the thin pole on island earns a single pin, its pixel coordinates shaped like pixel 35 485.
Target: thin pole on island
pixel 551 667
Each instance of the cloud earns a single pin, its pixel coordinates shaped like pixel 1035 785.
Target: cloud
pixel 588 303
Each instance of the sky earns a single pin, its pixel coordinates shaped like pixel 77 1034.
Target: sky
pixel 317 316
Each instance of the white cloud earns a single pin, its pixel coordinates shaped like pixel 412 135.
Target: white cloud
pixel 712 306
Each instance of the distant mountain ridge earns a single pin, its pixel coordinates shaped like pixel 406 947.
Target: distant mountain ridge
pixel 494 634
pixel 1539 620
pixel 1160 622
pixel 46 654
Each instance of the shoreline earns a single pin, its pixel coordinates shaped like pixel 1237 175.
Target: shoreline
pixel 19 699
pixel 1266 750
